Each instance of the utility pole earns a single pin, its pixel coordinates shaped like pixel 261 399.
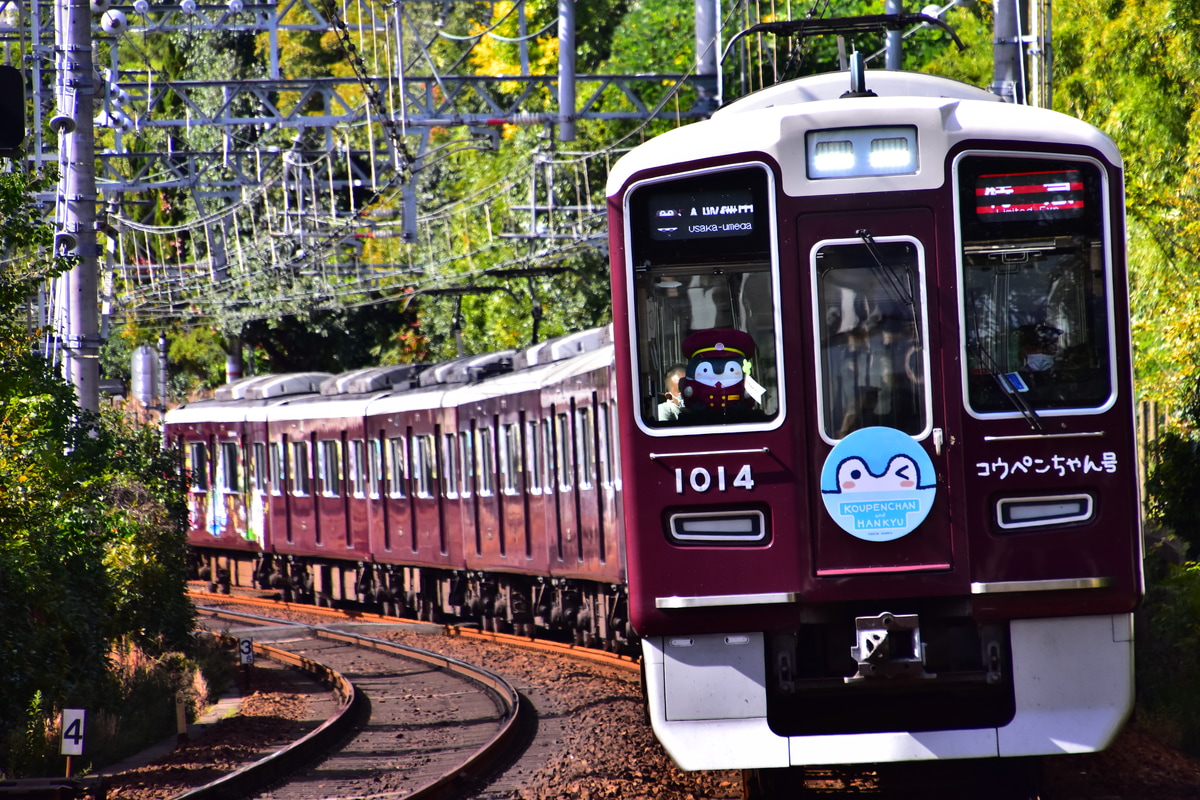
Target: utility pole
pixel 566 70
pixel 708 48
pixel 1008 76
pixel 895 39
pixel 76 215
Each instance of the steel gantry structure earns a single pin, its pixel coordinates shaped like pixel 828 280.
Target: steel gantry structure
pixel 278 169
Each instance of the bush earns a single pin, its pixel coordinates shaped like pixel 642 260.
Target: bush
pixel 1171 487
pixel 1168 651
pixel 133 708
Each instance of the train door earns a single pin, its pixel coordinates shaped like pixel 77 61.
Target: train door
pixel 878 455
pixel 358 478
pixel 396 531
pixel 514 521
pixel 331 488
pixel 226 502
pixel 568 547
pixel 513 529
pixel 426 535
pixel 592 550
pixel 482 531
pixel 538 496
pixel 279 500
pixel 301 503
pixel 612 534
pixel 258 477
pixel 455 505
pixel 196 462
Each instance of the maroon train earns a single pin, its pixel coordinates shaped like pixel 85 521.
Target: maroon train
pixel 893 514
pixel 484 488
pixel 854 465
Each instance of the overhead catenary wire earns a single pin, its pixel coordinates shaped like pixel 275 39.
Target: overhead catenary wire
pixel 328 222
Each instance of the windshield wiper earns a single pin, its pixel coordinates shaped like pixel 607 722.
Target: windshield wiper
pixel 1007 387
pixel 903 293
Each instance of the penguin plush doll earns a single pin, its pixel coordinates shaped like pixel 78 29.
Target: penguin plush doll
pixel 716 381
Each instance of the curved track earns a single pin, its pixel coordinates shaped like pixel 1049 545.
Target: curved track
pixel 614 660
pixel 412 724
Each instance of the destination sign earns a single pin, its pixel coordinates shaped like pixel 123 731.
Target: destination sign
pixel 701 215
pixel 1030 195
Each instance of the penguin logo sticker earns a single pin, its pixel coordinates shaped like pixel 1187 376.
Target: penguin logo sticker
pixel 878 484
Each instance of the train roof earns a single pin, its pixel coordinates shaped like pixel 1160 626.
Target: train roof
pixel 404 387
pixel 216 409
pixel 534 378
pixel 772 120
pixel 832 85
pixel 394 377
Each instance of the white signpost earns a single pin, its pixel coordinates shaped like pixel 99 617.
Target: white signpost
pixel 72 731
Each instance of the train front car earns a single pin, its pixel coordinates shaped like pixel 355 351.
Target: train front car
pixel 879 482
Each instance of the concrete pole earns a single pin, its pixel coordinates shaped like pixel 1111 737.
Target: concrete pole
pixel 895 39
pixel 233 359
pixel 707 49
pixel 1006 53
pixel 162 373
pixel 566 70
pixel 77 198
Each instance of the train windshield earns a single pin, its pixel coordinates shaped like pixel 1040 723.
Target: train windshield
pixel 1035 289
pixel 871 328
pixel 704 294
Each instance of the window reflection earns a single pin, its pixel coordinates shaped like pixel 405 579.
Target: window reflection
pixel 679 311
pixel 1040 317
pixel 701 248
pixel 870 336
pixel 1034 285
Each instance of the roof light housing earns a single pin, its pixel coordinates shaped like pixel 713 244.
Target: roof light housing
pixel 862 152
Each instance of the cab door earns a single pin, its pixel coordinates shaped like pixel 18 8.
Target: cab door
pixel 876 444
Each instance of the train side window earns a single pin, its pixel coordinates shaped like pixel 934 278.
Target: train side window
pixel 510 459
pixel 563 457
pixel 605 424
pixel 259 476
pixel 227 468
pixel 278 467
pixel 329 467
pixel 398 459
pixel 704 289
pixel 871 334
pixel 358 467
pixel 1035 276
pixel 300 469
pixel 197 465
pixel 375 468
pixel 615 442
pixel 551 453
pixel 450 464
pixel 487 461
pixel 424 469
pixel 586 447
pixel 467 452
pixel 533 458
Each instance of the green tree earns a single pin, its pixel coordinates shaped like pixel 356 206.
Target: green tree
pixel 92 516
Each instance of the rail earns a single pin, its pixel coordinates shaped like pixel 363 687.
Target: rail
pixel 289 759
pixel 602 657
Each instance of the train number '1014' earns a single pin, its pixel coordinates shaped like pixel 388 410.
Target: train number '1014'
pixel 701 479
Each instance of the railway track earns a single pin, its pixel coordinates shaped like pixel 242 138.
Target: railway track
pixel 410 723
pixel 616 661
pixel 590 737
